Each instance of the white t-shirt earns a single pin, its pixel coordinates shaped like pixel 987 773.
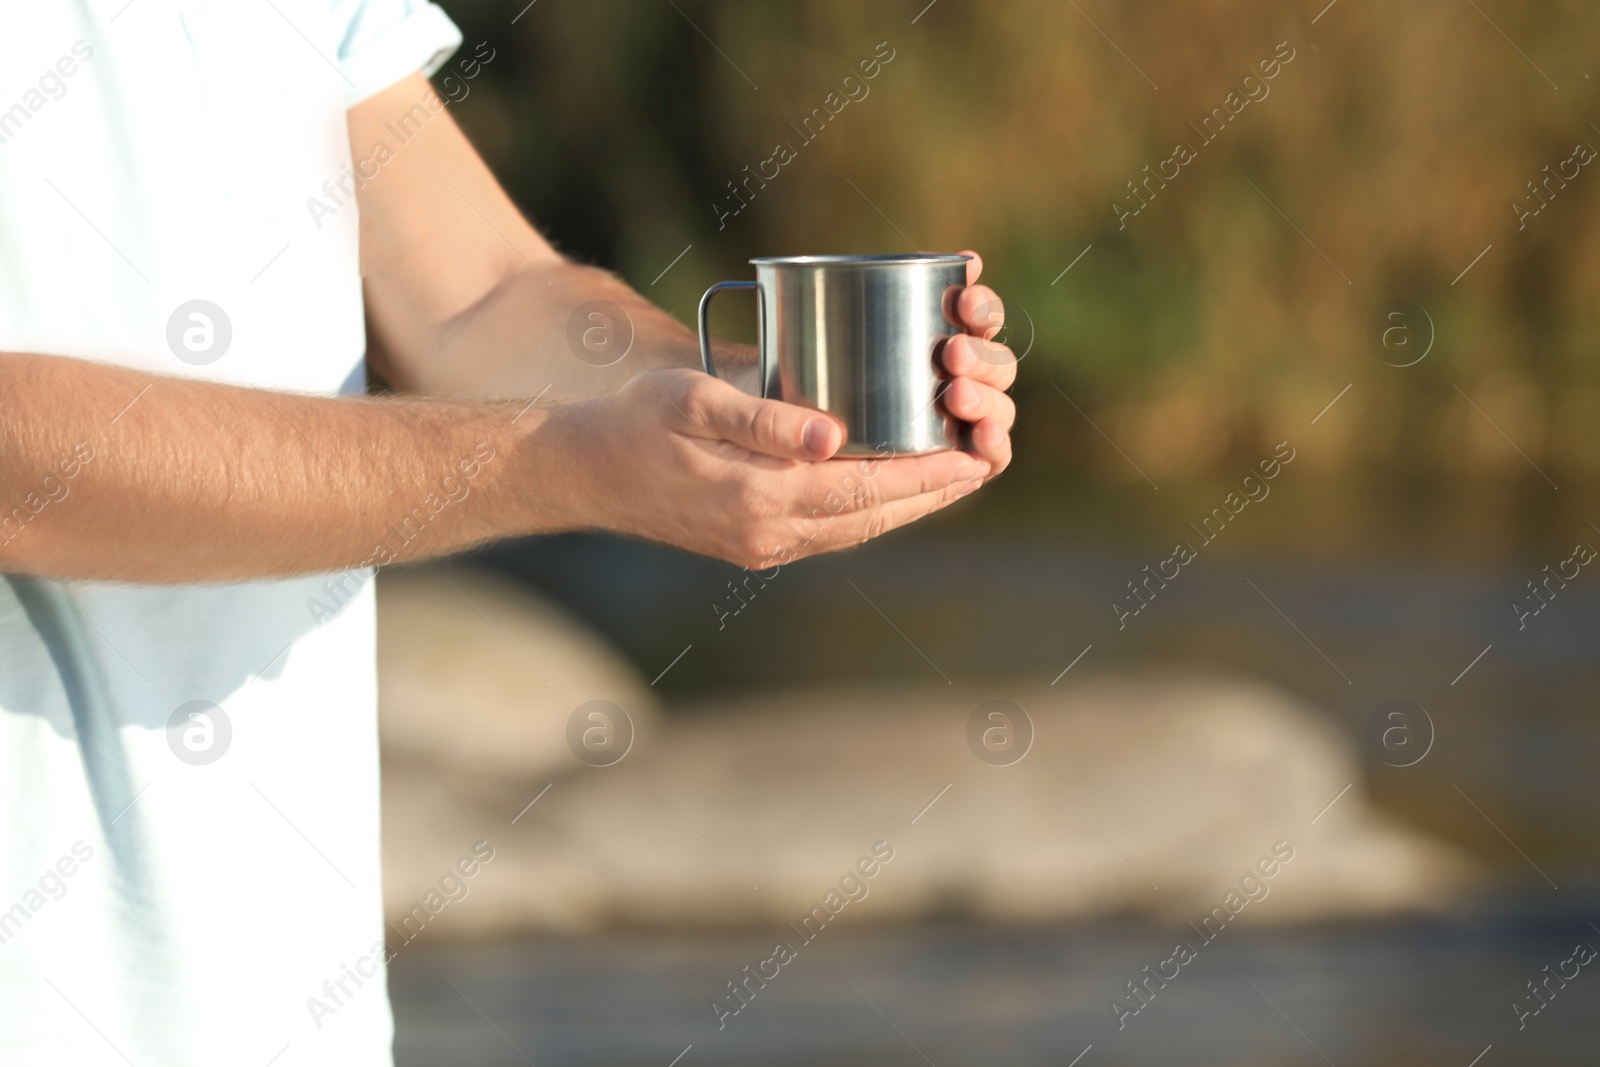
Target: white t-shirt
pixel 189 775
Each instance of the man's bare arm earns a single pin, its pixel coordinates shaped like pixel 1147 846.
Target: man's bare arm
pixel 112 473
pixel 116 474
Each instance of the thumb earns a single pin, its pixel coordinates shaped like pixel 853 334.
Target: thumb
pixel 770 427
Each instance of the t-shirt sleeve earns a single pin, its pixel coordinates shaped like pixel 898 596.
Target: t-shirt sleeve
pixel 384 41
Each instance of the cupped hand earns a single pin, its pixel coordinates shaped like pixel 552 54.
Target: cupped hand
pixel 680 457
pixel 981 370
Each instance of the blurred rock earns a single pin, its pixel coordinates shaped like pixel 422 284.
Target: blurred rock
pixel 1137 795
pixel 478 677
pixel 478 674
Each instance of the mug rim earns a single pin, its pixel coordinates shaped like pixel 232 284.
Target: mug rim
pixel 871 260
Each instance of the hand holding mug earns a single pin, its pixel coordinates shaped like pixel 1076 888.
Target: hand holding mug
pixel 896 348
pixel 679 457
pixel 981 371
pixel 884 365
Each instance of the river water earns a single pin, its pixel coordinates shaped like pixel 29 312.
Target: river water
pixel 1409 994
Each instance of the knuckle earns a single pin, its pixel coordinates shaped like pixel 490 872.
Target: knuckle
pixel 988 309
pixel 877 525
pixel 692 411
pixel 763 424
pixel 998 362
pixel 1008 410
pixel 865 494
pixel 753 547
pixel 698 403
pixel 790 550
pixel 958 350
pixel 967 395
pixel 752 505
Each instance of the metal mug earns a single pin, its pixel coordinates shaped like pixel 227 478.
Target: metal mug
pixel 857 337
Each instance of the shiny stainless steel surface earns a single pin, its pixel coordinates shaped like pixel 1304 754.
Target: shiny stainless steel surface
pixel 858 337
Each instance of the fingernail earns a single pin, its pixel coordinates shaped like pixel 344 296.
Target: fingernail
pixel 816 437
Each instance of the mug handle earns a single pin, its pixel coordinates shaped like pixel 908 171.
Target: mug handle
pixel 705 330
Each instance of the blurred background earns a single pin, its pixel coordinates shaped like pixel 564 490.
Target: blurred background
pixel 1387 663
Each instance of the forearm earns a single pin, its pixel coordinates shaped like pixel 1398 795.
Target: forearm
pixel 560 331
pixel 114 474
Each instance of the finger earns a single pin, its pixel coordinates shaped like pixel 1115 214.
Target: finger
pixel 991 442
pixel 971 401
pixel 988 362
pixel 974 265
pixel 980 310
pixel 839 486
pixel 714 409
pixel 854 528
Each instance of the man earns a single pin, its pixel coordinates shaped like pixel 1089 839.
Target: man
pixel 190 509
